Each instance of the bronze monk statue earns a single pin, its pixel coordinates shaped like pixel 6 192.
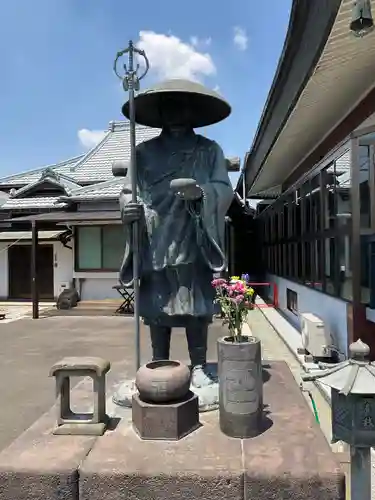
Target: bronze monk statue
pixel 184 193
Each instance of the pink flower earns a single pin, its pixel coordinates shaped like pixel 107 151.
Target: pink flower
pixel 218 282
pixel 238 286
pixel 238 299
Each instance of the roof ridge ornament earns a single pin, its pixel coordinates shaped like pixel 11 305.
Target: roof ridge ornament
pixel 362 21
pixel 359 351
pixel 50 173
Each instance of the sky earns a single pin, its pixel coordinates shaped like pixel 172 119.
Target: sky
pixel 58 91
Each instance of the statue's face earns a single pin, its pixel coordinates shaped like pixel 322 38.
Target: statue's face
pixel 174 111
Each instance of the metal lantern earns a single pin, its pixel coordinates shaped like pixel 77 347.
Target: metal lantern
pixel 352 384
pixel 362 21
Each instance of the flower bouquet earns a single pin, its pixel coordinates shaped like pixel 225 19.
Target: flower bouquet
pixel 235 299
pixel 239 362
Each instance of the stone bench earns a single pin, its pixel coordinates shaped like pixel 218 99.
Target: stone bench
pixel 69 422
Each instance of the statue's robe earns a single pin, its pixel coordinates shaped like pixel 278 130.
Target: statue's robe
pixel 181 242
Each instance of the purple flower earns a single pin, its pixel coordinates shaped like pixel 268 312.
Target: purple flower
pixel 245 277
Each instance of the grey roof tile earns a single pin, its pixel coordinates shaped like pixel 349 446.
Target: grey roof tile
pixel 97 164
pixel 108 189
pixel 343 166
pixel 51 176
pixel 38 202
pixel 24 178
pixel 94 168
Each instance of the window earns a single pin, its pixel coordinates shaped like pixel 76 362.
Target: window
pixel 99 248
pixel 292 301
pixel 311 230
pixel 364 185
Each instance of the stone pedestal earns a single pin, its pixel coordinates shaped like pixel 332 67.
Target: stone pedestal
pixel 169 422
pixel 82 424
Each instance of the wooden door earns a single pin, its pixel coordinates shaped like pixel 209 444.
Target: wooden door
pixel 19 265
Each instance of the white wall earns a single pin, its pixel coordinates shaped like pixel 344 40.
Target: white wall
pixel 331 310
pixel 63 265
pixel 102 205
pixel 367 123
pixel 4 269
pixel 94 286
pixel 97 287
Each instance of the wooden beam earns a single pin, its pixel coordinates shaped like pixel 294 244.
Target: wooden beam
pixel 34 274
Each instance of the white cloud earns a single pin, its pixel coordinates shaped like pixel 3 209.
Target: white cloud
pixel 240 38
pixel 90 138
pixel 170 57
pixel 200 42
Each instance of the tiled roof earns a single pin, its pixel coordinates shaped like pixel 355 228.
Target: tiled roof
pixel 3 197
pixel 97 164
pixel 39 202
pixel 343 167
pixel 94 168
pixel 51 176
pixel 108 189
pixel 33 175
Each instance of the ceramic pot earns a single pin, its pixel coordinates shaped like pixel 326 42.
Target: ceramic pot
pixel 163 381
pixel 240 387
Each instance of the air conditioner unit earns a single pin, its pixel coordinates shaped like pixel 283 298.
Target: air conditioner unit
pixel 316 338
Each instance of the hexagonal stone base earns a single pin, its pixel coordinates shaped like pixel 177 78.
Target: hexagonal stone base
pixel 168 422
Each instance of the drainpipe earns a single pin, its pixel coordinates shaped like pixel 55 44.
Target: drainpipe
pixel 34 274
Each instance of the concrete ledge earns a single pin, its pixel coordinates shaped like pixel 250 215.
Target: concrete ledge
pixel 39 465
pixel 290 459
pixel 291 337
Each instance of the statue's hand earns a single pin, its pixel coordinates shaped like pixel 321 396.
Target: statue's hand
pixel 132 212
pixel 187 189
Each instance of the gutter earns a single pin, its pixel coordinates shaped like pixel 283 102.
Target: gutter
pixel 300 18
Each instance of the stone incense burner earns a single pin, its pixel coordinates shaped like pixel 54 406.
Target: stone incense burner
pixel 163 381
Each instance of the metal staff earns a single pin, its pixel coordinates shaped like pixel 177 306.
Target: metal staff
pixel 130 82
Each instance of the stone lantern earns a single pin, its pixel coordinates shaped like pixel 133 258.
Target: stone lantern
pixel 352 384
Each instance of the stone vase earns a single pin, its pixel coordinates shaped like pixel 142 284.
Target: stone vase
pixel 240 386
pixel 163 381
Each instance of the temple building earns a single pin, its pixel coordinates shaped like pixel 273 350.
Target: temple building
pixel 74 209
pixel 311 169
